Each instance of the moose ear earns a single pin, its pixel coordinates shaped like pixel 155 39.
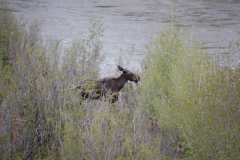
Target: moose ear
pixel 120 68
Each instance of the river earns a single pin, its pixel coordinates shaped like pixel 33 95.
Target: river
pixel 129 25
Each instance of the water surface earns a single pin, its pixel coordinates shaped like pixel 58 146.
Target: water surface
pixel 129 25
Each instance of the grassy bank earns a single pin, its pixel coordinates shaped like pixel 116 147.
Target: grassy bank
pixel 186 107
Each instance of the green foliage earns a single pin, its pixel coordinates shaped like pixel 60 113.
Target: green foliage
pixel 186 108
pixel 6 25
pixel 26 90
pixel 46 119
pixel 185 90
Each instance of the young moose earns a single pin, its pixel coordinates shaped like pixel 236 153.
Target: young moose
pixel 96 89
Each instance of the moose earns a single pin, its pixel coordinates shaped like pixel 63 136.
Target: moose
pixel 96 89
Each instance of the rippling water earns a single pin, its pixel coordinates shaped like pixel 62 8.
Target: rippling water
pixel 131 24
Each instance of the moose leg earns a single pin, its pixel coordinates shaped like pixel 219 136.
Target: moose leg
pixel 114 97
pixel 84 95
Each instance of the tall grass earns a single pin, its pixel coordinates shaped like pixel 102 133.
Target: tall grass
pixel 186 91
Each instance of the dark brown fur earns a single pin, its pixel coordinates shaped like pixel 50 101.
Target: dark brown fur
pixel 96 89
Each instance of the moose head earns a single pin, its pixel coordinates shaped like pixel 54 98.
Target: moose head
pixel 129 75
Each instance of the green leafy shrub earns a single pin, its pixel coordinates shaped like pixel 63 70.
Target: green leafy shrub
pixel 184 89
pixel 193 104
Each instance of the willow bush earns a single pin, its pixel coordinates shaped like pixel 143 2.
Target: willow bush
pixel 34 89
pixel 27 85
pixel 42 115
pixel 185 108
pixel 191 95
